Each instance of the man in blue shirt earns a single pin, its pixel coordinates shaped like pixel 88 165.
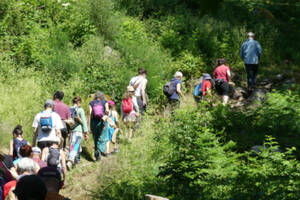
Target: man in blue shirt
pixel 250 53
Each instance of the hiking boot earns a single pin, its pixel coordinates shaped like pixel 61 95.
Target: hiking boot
pixel 69 165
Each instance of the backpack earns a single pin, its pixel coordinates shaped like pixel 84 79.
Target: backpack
pixel 198 90
pixel 169 88
pixel 127 105
pixel 75 118
pixel 53 159
pixel 17 145
pixel 46 122
pixel 98 110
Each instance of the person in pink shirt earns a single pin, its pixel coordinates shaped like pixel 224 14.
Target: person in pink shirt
pixel 63 111
pixel 222 76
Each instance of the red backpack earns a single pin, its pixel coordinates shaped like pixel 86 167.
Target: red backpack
pixel 127 105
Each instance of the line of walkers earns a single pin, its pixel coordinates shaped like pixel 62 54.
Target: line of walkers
pixel 48 155
pixel 250 53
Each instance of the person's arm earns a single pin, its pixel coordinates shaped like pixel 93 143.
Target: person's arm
pixel 116 115
pixel 106 108
pixel 11 148
pixel 143 91
pixel 63 164
pixel 90 117
pixel 84 123
pixel 35 133
pixel 44 154
pixel 135 105
pixel 229 75
pixel 178 89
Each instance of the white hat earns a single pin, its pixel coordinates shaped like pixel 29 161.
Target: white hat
pixel 251 34
pixel 36 150
pixel 130 89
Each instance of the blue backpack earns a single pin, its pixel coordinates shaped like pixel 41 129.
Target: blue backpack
pixel 16 147
pixel 198 90
pixel 46 122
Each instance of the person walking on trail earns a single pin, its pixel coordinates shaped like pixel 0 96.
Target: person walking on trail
pixel 79 130
pixel 130 111
pixel 176 92
pixel 64 112
pixel 16 142
pixel 251 53
pixel 47 125
pixel 222 76
pixel 97 109
pixel 139 83
pixel 55 157
pixel 53 181
pixel 203 87
pixel 115 128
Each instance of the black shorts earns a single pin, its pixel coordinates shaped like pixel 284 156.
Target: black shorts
pixel 44 144
pixel 222 88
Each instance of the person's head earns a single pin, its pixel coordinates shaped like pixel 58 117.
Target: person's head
pixel 26 166
pixel 99 95
pixel 52 178
pixel 142 72
pixel 111 104
pixel 48 104
pixel 18 131
pixel 58 95
pixel 25 151
pixel 178 75
pixel 77 101
pixel 206 77
pixel 251 35
pixel 30 187
pixel 221 61
pixel 36 152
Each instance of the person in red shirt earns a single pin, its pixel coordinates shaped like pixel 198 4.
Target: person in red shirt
pixel 206 88
pixel 63 111
pixel 222 76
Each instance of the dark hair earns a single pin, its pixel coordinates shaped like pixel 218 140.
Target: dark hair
pixel 76 99
pixel 25 151
pixel 221 61
pixel 30 187
pixel 18 130
pixel 142 71
pixel 58 95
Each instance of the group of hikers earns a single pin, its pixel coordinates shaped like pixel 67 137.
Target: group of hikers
pixel 38 170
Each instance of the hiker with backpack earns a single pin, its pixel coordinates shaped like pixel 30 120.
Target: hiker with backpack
pixel 79 130
pixel 55 157
pixel 16 142
pixel 139 83
pixel 222 77
pixel 172 90
pixel 130 111
pixel 250 53
pixel 203 88
pixel 64 112
pixel 97 109
pixel 47 125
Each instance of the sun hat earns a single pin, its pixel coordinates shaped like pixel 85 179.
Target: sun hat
pixel 111 103
pixel 130 89
pixel 50 172
pixel 206 77
pixel 36 150
pixel 178 74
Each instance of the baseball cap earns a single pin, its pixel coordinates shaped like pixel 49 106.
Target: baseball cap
pixel 36 150
pixel 111 103
pixel 49 172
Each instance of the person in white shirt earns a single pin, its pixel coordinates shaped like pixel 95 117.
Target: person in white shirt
pixel 47 125
pixel 139 83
